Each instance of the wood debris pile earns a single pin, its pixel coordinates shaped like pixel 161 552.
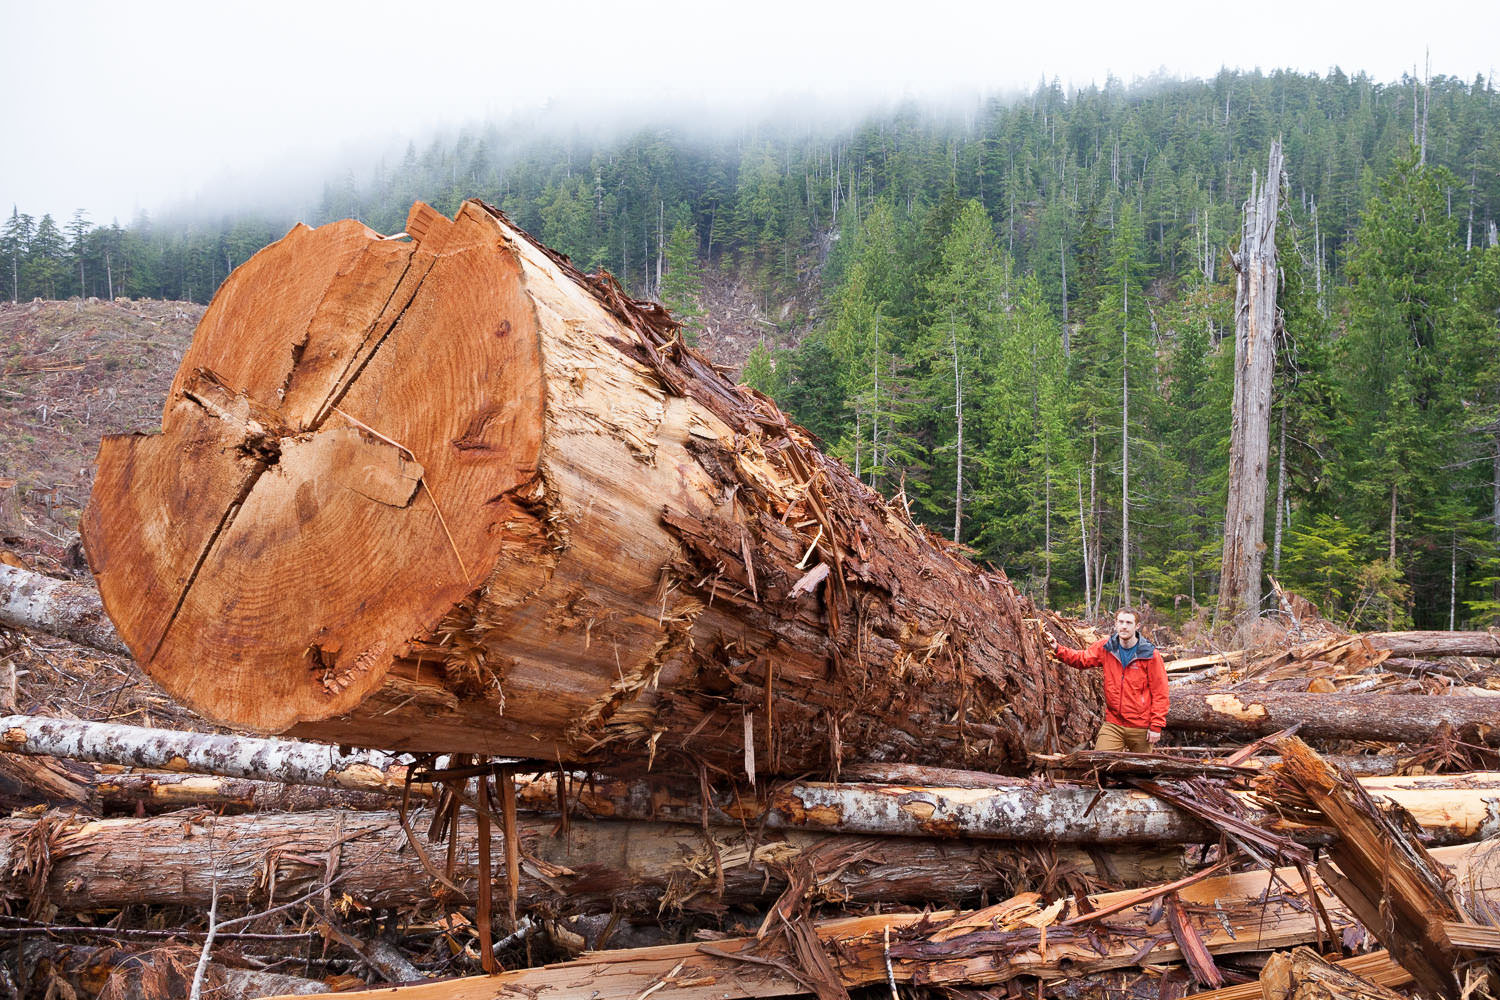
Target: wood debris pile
pixel 655 700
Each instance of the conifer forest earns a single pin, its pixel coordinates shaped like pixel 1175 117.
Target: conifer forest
pixel 1018 316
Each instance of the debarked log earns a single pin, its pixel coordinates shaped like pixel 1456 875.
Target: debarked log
pixel 168 969
pixel 1230 914
pixel 450 494
pixel 592 867
pixel 1365 716
pixel 154 792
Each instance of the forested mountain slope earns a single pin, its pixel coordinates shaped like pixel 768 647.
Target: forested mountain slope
pixel 977 289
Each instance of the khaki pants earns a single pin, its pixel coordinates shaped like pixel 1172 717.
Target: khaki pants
pixel 1113 737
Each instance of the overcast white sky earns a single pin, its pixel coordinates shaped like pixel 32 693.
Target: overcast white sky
pixel 136 104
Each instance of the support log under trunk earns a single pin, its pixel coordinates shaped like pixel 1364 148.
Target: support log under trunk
pixel 1004 808
pixel 596 867
pixel 1450 809
pixel 451 494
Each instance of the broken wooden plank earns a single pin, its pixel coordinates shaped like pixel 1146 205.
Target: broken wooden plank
pixel 1395 886
pixel 1303 974
pixel 1376 966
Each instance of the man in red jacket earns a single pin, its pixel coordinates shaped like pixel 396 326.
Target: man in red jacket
pixel 1135 686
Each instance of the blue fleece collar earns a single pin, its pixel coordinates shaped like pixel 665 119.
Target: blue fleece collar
pixel 1142 650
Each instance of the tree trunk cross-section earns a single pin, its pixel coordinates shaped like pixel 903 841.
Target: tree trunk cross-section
pixel 450 494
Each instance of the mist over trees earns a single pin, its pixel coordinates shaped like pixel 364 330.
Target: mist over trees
pixel 1003 310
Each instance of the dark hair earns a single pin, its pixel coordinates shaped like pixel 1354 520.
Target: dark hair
pixel 1129 611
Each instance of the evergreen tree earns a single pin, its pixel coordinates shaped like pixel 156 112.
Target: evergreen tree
pixel 761 374
pixel 1405 370
pixel 78 231
pixel 47 257
pixel 956 356
pixel 15 244
pixel 682 284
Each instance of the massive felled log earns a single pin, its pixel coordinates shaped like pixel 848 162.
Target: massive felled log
pixel 451 494
pixel 1434 643
pixel 595 867
pixel 1367 716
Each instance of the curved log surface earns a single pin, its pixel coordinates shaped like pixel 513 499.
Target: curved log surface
pixel 1396 718
pixel 204 753
pixel 71 610
pixel 260 860
pixel 453 495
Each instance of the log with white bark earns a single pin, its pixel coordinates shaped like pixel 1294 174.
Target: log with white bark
pixel 450 494
pixel 594 867
pixel 40 603
pixel 1449 808
pixel 1245 714
pixel 286 761
pixel 1230 914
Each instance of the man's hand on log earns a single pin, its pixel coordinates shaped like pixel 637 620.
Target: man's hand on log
pixel 1048 643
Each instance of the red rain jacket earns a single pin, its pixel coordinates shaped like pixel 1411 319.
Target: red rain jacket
pixel 1134 696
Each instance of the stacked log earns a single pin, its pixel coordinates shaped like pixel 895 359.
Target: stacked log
pixel 1243 711
pixel 951 948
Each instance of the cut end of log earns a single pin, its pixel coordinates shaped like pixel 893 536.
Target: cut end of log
pixel 450 494
pixel 317 501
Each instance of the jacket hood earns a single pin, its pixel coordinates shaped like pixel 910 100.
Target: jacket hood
pixel 1143 647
